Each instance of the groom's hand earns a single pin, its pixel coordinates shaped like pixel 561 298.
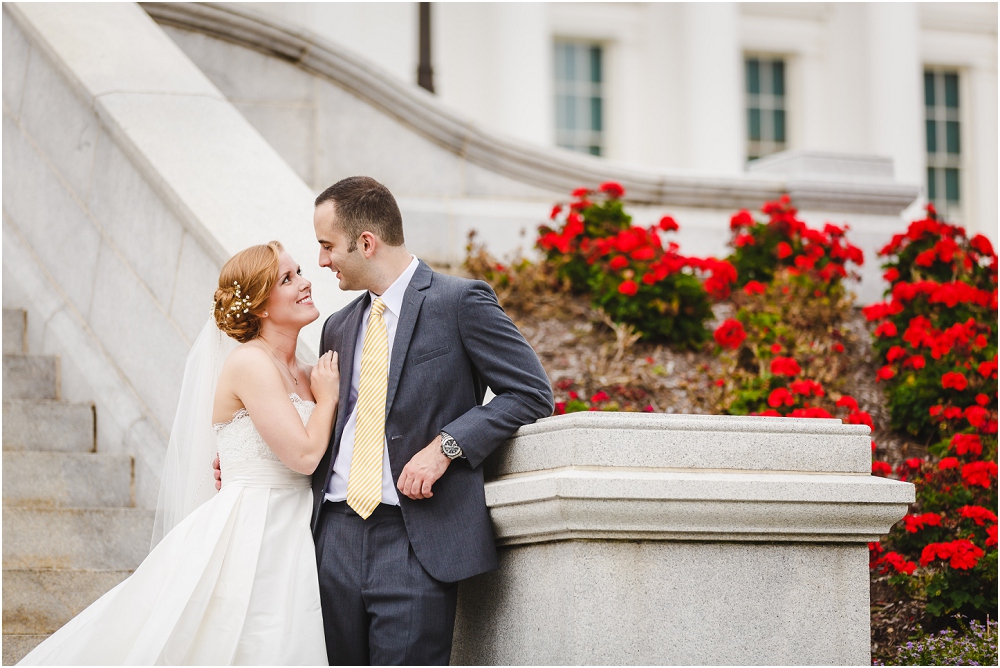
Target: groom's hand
pixel 421 472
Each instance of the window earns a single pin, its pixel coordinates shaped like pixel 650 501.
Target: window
pixel 944 149
pixel 580 96
pixel 765 86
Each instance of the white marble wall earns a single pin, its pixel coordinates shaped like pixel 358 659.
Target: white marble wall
pixel 128 179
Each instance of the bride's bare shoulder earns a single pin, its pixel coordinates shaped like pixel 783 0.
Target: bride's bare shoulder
pixel 248 359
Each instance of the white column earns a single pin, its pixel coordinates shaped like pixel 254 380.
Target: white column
pixel 522 74
pixel 895 87
pixel 980 192
pixel 712 86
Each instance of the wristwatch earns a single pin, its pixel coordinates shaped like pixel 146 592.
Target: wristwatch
pixel 450 447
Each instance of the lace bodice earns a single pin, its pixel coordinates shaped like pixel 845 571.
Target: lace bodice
pixel 239 440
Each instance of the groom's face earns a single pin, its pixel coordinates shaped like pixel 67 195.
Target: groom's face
pixel 333 249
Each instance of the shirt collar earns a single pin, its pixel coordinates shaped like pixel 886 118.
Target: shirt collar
pixel 393 296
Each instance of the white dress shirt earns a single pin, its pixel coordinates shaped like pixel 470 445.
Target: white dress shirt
pixel 393 299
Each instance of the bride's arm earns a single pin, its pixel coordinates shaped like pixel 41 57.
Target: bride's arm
pixel 258 384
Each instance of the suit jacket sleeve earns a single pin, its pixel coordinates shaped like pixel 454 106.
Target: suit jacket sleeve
pixel 510 368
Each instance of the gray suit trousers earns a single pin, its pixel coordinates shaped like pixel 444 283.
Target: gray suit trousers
pixel 380 607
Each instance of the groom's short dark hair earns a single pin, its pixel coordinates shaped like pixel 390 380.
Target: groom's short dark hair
pixel 365 205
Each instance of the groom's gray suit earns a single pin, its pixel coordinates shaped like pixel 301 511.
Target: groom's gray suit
pixel 452 342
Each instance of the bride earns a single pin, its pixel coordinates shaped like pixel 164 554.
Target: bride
pixel 233 579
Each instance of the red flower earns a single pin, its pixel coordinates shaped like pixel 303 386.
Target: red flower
pixel 574 396
pixel 754 288
pixel 847 401
pixel 988 369
pixel 555 211
pixel 730 334
pixel 991 536
pixel 785 366
pixel 612 189
pixel 967 443
pixel 916 361
pixel 881 469
pixel 914 462
pixel 784 250
pixel 914 523
pixel 580 205
pixel 775 348
pixel 742 240
pixel 891 275
pixel 976 415
pixel 982 399
pixel 899 563
pixel 887 328
pixel 618 262
pixel 895 353
pixel 953 379
pixel 668 224
pixel 962 554
pixel 580 192
pixel 979 473
pixel 935 410
pixel 806 388
pixel 780 396
pixel 560 408
pixel 600 396
pixel 982 245
pixel 643 254
pixel 978 514
pixel 885 373
pixel 741 219
pixel 719 382
pixel 628 288
pixel 948 463
pixel 838 347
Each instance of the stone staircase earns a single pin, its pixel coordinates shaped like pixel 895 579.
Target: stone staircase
pixel 70 528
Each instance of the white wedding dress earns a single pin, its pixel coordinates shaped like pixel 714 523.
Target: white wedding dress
pixel 234 583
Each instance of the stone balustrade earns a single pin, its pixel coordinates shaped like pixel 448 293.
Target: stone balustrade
pixel 679 539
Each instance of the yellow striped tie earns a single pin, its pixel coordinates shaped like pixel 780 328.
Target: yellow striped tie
pixel 364 482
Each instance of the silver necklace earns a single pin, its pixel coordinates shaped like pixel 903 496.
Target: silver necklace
pixel 278 362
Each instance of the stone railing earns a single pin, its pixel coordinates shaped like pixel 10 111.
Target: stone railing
pixel 679 539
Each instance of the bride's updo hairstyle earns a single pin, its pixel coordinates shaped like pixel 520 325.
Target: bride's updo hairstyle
pixel 244 285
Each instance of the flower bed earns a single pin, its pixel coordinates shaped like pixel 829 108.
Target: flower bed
pixel 936 334
pixel 628 271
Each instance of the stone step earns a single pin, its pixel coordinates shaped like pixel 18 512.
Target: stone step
pixel 39 601
pixel 15 324
pixel 99 538
pixel 48 426
pixel 16 646
pixel 30 377
pixel 66 480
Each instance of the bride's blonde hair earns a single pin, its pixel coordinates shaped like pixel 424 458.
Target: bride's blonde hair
pixel 244 285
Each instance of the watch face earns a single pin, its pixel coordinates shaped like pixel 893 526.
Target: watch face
pixel 451 449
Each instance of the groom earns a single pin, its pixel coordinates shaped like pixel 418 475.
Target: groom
pixel 399 513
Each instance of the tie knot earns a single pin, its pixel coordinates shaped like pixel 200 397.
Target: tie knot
pixel 378 306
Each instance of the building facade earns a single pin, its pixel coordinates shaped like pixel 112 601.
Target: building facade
pixel 707 87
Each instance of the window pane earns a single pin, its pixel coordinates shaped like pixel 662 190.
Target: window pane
pixel 931 136
pixel 754 124
pixel 929 89
pixel 595 64
pixel 570 71
pixel 596 122
pixel 570 123
pixel 779 125
pixel 778 77
pixel 595 150
pixel 951 132
pixel 931 185
pixel 951 90
pixel 951 185
pixel 753 76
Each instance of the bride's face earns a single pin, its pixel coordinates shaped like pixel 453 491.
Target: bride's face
pixel 290 301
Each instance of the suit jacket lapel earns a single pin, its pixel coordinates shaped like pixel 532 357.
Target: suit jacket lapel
pixel 412 300
pixel 346 354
